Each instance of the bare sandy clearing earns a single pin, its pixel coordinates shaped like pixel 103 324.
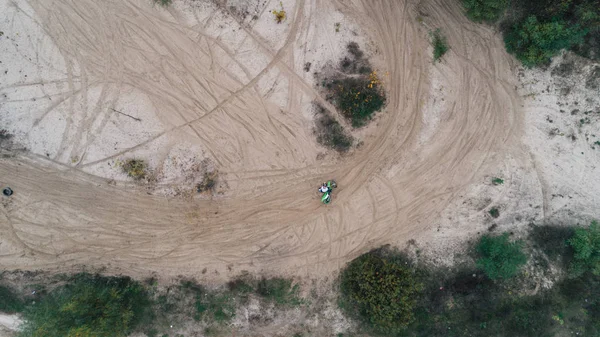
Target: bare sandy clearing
pixel 211 85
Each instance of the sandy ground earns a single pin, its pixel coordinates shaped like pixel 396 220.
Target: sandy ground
pixel 222 85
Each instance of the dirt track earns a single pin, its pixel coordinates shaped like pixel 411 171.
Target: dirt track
pixel 390 189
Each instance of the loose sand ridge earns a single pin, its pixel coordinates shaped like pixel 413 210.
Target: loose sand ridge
pixel 217 93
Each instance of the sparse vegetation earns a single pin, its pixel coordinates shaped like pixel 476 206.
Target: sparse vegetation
pixel 89 305
pixel 485 10
pixel 135 168
pixel 331 133
pixel 500 258
pixel 208 183
pixel 381 291
pixel 440 45
pixel 279 290
pixel 163 3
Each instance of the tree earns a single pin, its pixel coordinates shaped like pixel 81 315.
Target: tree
pixel 381 291
pixel 485 10
pixel 534 42
pixel 88 306
pixel 586 246
pixel 500 258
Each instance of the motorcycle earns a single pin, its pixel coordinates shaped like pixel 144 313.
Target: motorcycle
pixel 326 197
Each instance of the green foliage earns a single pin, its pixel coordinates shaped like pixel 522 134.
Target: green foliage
pixel 500 258
pixel 485 10
pixel 9 301
pixel 381 291
pixel 440 45
pixel 497 181
pixel 89 305
pixel 534 42
pixel 279 290
pixel 586 247
pixel 163 3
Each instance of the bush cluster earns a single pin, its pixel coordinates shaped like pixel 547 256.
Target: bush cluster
pixel 380 291
pixel 536 30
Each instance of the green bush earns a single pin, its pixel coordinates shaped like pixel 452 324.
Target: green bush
pixel 358 98
pixel 500 258
pixel 89 305
pixel 440 45
pixel 586 248
pixel 534 42
pixel 9 301
pixel 485 10
pixel 381 291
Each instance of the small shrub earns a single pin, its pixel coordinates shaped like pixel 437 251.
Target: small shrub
pixel 208 183
pixel 89 305
pixel 500 258
pixel 381 291
pixel 440 46
pixel 586 248
pixel 135 168
pixel 280 15
pixel 497 181
pixel 163 3
pixel 279 290
pixel 494 212
pixel 9 301
pixel 485 10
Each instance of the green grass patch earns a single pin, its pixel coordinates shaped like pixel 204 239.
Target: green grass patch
pixel 279 290
pixel 440 45
pixel 10 302
pixel 88 305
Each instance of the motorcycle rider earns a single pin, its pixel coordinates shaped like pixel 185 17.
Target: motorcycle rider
pixel 324 188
